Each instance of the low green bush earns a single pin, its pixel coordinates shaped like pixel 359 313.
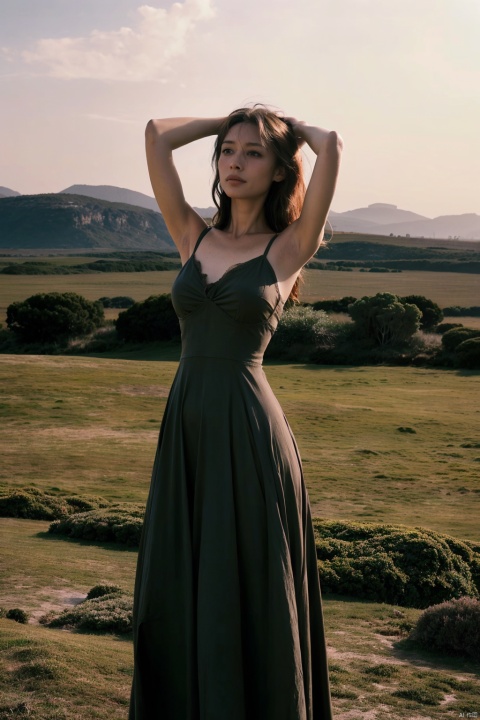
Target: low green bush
pixel 37 505
pixel 394 564
pixel 451 627
pixel 467 354
pixel 452 338
pixel 446 326
pixel 101 590
pixel 152 320
pixel 108 613
pixel 117 523
pixel 301 331
pixel 20 616
pixel 119 301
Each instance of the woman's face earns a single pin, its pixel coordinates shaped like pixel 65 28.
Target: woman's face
pixel 246 167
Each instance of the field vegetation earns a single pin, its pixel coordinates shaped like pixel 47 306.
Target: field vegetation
pixel 379 445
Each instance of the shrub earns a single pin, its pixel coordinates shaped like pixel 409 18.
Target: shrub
pixel 431 312
pixel 456 311
pixel 468 354
pixel 394 564
pixel 118 523
pixel 384 320
pixel 335 306
pixel 101 590
pixel 452 627
pixel 37 505
pixel 452 338
pixel 20 616
pixel 300 330
pixel 148 321
pixel 119 301
pixel 108 613
pixel 444 327
pixel 50 317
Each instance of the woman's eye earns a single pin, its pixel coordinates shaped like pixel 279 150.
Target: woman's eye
pixel 226 151
pixel 254 153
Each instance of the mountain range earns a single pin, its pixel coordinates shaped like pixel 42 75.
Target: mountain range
pixel 376 219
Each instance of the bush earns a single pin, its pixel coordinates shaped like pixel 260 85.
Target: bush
pixel 335 306
pixel 119 301
pixel 452 338
pixel 456 311
pixel 394 564
pixel 431 312
pixel 101 590
pixel 444 327
pixel 107 613
pixel 468 354
pixel 148 321
pixel 37 505
pixel 119 523
pixel 20 616
pixel 384 320
pixel 300 330
pixel 452 627
pixel 50 317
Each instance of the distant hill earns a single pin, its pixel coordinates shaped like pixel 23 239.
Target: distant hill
pixel 7 192
pixel 114 194
pixel 376 219
pixel 381 213
pixel 123 195
pixel 383 219
pixel 74 221
pixel 465 227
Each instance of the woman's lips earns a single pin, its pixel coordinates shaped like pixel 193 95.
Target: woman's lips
pixel 234 178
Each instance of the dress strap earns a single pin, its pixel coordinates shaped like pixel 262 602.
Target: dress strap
pixel 270 243
pixel 200 237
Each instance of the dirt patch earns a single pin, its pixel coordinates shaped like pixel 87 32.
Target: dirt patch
pixel 58 600
pixel 95 433
pixel 143 390
pixel 370 657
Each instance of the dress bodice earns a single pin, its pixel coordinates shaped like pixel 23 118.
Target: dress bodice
pixel 235 316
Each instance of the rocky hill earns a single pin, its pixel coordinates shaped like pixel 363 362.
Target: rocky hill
pixel 59 221
pixel 124 195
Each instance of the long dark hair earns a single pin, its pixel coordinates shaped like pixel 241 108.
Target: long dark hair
pixel 284 201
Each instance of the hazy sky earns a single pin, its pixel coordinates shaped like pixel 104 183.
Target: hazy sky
pixel 399 79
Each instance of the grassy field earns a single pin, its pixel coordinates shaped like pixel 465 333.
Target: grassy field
pixel 446 289
pixel 90 425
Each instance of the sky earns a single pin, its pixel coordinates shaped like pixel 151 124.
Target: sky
pixel 398 79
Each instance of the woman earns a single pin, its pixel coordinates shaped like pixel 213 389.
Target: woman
pixel 228 618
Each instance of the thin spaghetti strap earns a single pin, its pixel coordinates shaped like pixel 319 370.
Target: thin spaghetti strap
pixel 200 238
pixel 269 245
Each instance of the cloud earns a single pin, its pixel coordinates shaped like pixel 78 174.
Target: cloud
pixel 143 52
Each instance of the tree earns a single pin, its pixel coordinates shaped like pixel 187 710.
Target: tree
pixel 148 321
pixel 384 319
pixel 50 317
pixel 432 314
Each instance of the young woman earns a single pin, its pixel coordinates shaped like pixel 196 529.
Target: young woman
pixel 228 621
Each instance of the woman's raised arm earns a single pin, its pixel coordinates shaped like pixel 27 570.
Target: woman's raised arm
pixel 307 231
pixel 161 138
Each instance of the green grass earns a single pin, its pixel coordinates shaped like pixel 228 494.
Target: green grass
pixel 90 425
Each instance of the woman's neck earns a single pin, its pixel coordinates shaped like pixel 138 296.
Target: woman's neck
pixel 247 218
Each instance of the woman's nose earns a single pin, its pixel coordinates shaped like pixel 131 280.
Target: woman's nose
pixel 235 161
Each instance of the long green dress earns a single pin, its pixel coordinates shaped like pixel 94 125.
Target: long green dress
pixel 228 621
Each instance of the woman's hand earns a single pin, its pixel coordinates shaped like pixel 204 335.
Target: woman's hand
pixel 297 126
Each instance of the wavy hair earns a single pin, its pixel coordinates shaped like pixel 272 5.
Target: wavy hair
pixel 284 201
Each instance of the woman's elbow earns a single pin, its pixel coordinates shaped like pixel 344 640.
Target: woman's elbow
pixel 335 142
